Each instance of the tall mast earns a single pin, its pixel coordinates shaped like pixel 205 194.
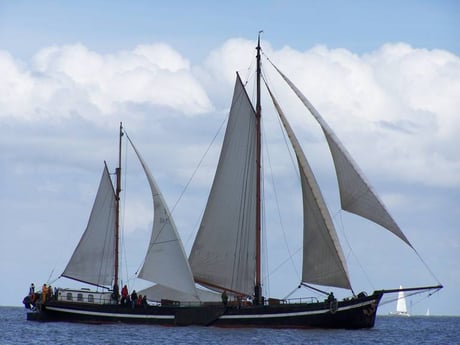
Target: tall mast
pixel 117 209
pixel 258 287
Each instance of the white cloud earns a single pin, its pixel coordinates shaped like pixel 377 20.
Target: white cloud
pixel 396 108
pixel 67 80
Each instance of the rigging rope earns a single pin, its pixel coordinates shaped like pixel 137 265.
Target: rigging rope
pixel 275 191
pixel 342 229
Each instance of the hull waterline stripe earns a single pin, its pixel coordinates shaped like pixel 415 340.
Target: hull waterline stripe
pixel 300 313
pixel 96 313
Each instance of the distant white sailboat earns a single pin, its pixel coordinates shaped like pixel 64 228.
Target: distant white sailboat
pixel 428 312
pixel 401 306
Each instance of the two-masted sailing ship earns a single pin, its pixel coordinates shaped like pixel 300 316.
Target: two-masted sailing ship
pixel 220 283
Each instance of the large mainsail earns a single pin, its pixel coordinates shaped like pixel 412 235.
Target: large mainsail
pixel 223 254
pixel 165 262
pixel 94 258
pixel 356 194
pixel 323 260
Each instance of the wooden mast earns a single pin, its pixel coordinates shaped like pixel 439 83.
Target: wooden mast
pixel 258 287
pixel 117 209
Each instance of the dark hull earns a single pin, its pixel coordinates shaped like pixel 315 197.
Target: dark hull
pixel 351 314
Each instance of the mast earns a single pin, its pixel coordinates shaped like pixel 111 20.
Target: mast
pixel 258 287
pixel 117 209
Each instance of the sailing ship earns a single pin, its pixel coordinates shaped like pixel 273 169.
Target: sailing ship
pixel 220 283
pixel 401 305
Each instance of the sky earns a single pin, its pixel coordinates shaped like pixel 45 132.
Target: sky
pixel 384 75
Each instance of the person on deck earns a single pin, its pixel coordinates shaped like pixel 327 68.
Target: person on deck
pixel 133 299
pixel 124 295
pixel 44 292
pixel 224 297
pixel 115 293
pixel 32 293
pixel 144 301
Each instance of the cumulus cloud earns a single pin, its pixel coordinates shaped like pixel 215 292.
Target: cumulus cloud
pixel 399 101
pixel 62 81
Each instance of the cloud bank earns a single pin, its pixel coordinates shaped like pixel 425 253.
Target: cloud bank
pixel 402 100
pixel 60 82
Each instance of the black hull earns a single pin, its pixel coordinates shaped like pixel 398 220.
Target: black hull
pixel 350 314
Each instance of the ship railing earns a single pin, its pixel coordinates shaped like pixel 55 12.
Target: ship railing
pixel 238 303
pixel 299 300
pixel 83 296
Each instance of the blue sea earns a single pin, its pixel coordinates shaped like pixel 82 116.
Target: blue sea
pixel 14 329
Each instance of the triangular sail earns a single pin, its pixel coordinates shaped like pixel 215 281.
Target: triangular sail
pixel 93 260
pixel 401 306
pixel 323 260
pixel 223 254
pixel 165 262
pixel 356 194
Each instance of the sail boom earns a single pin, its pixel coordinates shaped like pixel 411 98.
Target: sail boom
pixel 218 288
pixel 419 288
pixel 108 287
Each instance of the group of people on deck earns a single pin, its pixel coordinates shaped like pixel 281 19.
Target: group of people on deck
pixel 42 296
pixel 134 299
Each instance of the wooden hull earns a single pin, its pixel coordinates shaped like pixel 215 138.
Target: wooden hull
pixel 349 314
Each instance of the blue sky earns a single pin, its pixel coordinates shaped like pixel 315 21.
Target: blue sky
pixel 360 26
pixel 72 70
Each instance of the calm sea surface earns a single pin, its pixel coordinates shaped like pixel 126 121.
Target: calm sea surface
pixel 14 329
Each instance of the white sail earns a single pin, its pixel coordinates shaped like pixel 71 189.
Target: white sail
pixel 401 306
pixel 323 260
pixel 93 260
pixel 159 292
pixel 165 262
pixel 356 194
pixel 223 254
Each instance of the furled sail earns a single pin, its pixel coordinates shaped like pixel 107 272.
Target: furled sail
pixel 223 254
pixel 165 262
pixel 93 260
pixel 356 194
pixel 323 260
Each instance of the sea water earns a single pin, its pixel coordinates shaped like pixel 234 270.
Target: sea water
pixel 14 329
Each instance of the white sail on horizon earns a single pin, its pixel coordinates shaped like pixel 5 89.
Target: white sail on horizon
pixel 401 306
